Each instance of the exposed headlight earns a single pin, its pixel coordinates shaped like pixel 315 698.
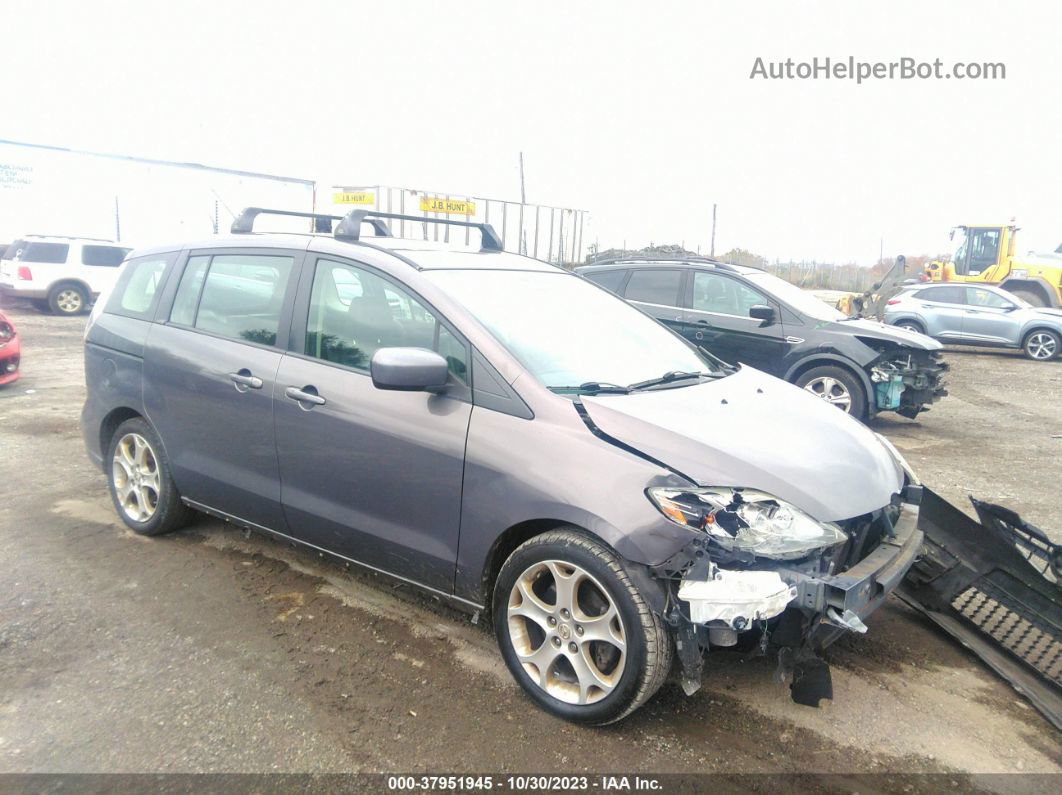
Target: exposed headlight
pixel 898 457
pixel 744 520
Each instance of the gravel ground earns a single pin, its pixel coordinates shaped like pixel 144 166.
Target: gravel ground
pixel 211 651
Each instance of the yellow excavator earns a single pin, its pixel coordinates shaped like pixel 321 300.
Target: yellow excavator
pixel 985 255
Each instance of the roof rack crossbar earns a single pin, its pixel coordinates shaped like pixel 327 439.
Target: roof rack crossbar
pixel 349 228
pixel 678 258
pixel 244 222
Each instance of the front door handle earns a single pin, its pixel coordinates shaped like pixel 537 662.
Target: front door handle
pixel 704 322
pixel 244 380
pixel 304 396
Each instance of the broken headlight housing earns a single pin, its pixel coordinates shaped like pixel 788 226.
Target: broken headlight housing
pixel 745 520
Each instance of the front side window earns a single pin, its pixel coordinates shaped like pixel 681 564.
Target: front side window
pixel 713 292
pixel 233 295
pixel 566 332
pixel 137 289
pixel 654 286
pixel 106 256
pixel 975 296
pixel 354 313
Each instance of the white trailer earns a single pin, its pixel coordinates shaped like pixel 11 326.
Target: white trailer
pixel 47 190
pixel 554 234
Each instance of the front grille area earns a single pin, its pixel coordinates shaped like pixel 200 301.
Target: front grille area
pixel 865 534
pixel 1022 632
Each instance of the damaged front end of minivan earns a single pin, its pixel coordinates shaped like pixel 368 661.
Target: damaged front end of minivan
pixel 766 577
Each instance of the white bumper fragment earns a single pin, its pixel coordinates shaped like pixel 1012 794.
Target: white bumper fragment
pixel 736 598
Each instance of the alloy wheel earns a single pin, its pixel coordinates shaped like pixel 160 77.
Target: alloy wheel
pixel 68 301
pixel 567 632
pixel 1042 346
pixel 832 391
pixel 135 472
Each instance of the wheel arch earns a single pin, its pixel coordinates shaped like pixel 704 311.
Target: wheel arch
pixel 109 424
pixel 829 360
pixel 911 318
pixel 1037 285
pixel 1038 327
pixel 72 280
pixel 506 543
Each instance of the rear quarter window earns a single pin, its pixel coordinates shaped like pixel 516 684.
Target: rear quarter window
pixel 136 293
pixel 610 280
pixel 53 253
pixel 109 256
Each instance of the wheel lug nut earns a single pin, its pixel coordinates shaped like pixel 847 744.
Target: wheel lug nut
pixel 556 642
pixel 578 630
pixel 565 614
pixel 573 648
pixel 552 621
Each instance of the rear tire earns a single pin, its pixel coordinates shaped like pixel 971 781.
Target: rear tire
pixel 140 482
pixel 1042 345
pixel 1031 296
pixel 575 631
pixel 68 299
pixel 836 386
pixel 911 325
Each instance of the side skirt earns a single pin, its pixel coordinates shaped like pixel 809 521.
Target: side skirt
pixel 457 602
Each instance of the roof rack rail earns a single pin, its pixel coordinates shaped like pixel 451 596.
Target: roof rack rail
pixel 349 228
pixel 724 266
pixel 244 222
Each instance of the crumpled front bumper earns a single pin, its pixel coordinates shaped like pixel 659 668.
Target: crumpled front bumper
pixel 862 588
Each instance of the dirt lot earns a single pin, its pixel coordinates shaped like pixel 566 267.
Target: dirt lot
pixel 212 651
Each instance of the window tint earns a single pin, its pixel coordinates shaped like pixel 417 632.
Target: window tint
pixel 978 297
pixel 610 280
pixel 111 256
pixel 947 295
pixel 713 292
pixel 354 313
pixel 654 287
pixel 137 289
pixel 45 252
pixel 187 299
pixel 242 296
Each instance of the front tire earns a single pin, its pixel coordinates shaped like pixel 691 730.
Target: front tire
pixel 68 299
pixel 836 386
pixel 1042 345
pixel 141 486
pixel 1030 296
pixel 575 631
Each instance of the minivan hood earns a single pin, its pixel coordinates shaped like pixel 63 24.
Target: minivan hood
pixel 882 331
pixel 752 430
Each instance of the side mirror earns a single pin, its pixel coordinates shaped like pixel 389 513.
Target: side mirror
pixel 763 313
pixel 1010 307
pixel 408 370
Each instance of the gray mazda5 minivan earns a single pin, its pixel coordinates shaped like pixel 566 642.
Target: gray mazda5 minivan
pixel 505 435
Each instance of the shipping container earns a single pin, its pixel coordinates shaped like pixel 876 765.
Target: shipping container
pixel 554 234
pixel 47 190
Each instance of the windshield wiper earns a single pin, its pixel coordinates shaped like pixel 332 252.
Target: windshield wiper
pixel 594 388
pixel 667 378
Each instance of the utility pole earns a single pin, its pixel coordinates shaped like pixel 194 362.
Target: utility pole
pixel 117 222
pixel 523 195
pixel 713 230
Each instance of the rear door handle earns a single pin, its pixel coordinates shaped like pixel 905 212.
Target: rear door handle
pixel 244 380
pixel 704 322
pixel 305 396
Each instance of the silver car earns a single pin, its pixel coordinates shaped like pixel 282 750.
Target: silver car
pixel 964 314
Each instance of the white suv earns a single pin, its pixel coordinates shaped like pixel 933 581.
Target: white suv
pixel 61 274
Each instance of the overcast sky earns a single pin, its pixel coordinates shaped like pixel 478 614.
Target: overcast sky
pixel 642 113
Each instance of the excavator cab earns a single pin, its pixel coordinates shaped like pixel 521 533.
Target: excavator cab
pixel 978 250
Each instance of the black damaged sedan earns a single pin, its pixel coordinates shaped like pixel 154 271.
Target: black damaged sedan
pixel 747 316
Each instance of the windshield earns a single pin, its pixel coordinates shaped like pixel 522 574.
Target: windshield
pixel 800 300
pixel 566 331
